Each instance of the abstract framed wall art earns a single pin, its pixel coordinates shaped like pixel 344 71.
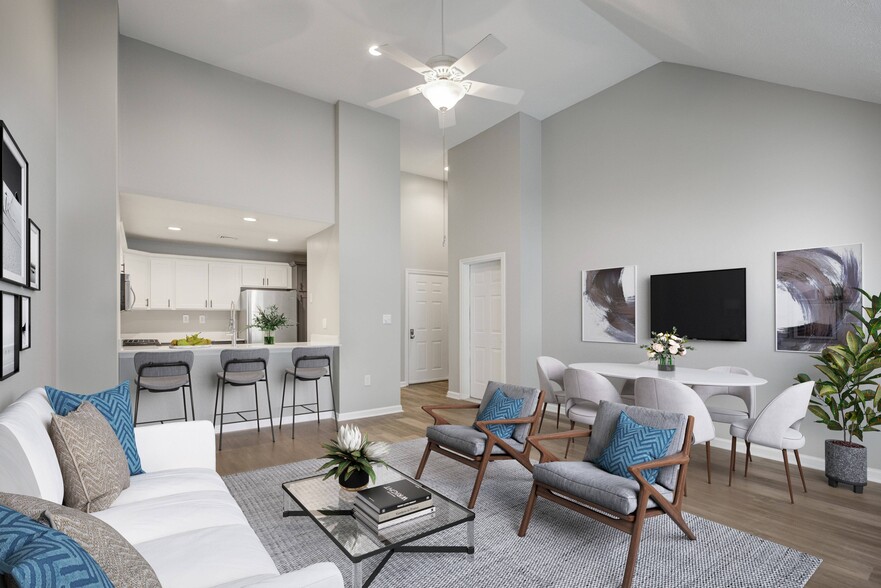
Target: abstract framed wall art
pixel 608 305
pixel 34 248
pixel 815 290
pixel 25 324
pixel 10 334
pixel 14 185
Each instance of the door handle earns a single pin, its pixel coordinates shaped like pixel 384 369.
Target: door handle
pixel 412 334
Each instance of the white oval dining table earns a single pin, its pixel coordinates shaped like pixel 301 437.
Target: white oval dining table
pixel 687 376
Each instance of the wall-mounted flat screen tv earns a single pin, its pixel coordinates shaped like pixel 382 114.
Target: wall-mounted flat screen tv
pixel 708 305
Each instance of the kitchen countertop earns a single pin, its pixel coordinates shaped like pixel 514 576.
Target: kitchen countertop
pixel 127 352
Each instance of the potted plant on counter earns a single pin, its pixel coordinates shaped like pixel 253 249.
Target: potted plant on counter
pixel 847 400
pixel 269 320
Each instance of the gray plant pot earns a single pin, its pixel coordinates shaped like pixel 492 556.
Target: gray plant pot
pixel 846 464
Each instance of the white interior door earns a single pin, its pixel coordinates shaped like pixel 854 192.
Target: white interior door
pixel 486 326
pixel 428 348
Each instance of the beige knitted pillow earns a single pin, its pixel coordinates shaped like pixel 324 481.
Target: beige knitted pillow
pixel 93 464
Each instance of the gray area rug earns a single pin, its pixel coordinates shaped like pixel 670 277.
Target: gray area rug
pixel 561 549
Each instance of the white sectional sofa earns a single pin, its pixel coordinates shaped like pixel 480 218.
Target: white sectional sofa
pixel 179 514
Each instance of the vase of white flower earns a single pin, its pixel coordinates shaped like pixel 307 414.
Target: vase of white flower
pixel 664 347
pixel 352 457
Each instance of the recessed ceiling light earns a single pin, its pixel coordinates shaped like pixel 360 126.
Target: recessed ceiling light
pixel 173 228
pixel 272 240
pixel 446 168
pixel 374 50
pixel 249 219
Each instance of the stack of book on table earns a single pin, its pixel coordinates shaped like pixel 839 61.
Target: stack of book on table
pixel 390 504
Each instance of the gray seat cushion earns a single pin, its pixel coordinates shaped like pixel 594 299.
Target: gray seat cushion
pixel 465 440
pixel 242 377
pixel 308 373
pixel 588 482
pixel 163 383
pixel 607 421
pixel 726 415
pixel 582 412
pixel 530 403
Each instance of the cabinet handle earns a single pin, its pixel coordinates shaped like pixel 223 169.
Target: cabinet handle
pixel 212 304
pixel 148 303
pixel 169 303
pixel 206 304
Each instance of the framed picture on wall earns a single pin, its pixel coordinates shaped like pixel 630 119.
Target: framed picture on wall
pixel 10 334
pixel 608 305
pixel 25 324
pixel 14 184
pixel 34 249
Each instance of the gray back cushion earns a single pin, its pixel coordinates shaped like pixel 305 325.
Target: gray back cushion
pixel 321 352
pixel 530 400
pixel 607 421
pixel 144 358
pixel 244 354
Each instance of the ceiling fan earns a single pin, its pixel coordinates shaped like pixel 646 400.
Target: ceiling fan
pixel 444 75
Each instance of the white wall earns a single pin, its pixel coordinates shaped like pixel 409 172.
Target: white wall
pixel 28 91
pixel 88 36
pixel 422 236
pixel 494 206
pixel 680 169
pixel 323 286
pixel 369 222
pixel 191 131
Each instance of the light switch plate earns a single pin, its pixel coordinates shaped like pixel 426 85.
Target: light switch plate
pixel 201 319
pixel 386 319
pixel 366 380
pixel 324 323
pixel 186 318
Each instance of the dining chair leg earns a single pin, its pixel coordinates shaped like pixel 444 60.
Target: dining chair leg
pixel 269 408
pixel 569 440
pixel 542 420
pixel 800 472
pixel 788 480
pixel 749 457
pixel 284 388
pixel 527 514
pixel 423 461
pixel 733 454
pixel 709 480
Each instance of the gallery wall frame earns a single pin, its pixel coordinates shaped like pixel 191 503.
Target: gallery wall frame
pixel 13 210
pixel 25 326
pixel 815 289
pixel 609 305
pixel 10 334
pixel 35 249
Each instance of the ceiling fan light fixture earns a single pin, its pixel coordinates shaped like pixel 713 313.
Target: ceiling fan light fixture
pixel 443 94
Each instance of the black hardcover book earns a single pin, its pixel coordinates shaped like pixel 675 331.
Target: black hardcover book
pixel 393 496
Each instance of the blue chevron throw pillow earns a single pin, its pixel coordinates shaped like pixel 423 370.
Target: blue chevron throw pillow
pixel 499 407
pixel 36 556
pixel 633 443
pixel 116 406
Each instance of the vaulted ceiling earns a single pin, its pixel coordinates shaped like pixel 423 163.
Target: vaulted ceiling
pixel 559 51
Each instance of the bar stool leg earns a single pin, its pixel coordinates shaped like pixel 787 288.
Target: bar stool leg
pixel 216 396
pixel 183 395
pixel 222 410
pixel 192 404
pixel 332 399
pixel 257 407
pixel 269 408
pixel 317 403
pixel 284 388
pixel 137 402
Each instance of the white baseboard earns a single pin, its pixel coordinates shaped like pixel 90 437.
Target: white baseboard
pixel 809 461
pixel 371 412
pixel 404 383
pixel 453 395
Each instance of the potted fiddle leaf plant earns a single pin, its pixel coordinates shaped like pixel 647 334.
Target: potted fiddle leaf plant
pixel 846 397
pixel 269 320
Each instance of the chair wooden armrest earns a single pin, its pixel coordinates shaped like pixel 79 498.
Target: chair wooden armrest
pixel 517 421
pixel 439 420
pixel 545 455
pixel 680 458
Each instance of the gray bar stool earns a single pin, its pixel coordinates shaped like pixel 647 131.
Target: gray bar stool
pixel 242 367
pixel 310 365
pixel 164 371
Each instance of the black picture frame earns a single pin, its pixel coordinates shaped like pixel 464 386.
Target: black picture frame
pixel 24 325
pixel 35 256
pixel 10 334
pixel 14 200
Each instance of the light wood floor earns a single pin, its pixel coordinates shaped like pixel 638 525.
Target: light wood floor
pixel 841 527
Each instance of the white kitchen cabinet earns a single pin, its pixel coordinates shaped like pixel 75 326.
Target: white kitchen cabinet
pixel 266 275
pixel 138 268
pixel 224 284
pixel 162 294
pixel 191 284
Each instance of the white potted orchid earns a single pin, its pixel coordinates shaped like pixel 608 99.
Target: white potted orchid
pixel 352 457
pixel 664 347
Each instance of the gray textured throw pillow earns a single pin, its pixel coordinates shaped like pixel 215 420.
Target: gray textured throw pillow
pixel 125 567
pixel 93 463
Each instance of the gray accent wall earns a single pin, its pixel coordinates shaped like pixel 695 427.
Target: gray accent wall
pixel 681 169
pixel 88 315
pixel 495 207
pixel 28 106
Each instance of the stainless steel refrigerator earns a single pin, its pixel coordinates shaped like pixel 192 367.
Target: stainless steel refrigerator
pixel 251 300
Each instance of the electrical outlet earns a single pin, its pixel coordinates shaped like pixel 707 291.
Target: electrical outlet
pixel 366 380
pixel 324 323
pixel 186 318
pixel 310 298
pixel 201 319
pixel 386 319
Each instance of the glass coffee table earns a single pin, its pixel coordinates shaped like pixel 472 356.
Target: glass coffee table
pixel 330 506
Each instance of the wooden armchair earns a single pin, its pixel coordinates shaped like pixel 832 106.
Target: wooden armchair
pixel 584 488
pixel 478 447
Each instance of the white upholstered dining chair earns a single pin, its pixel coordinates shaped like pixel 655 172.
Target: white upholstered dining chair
pixel 550 380
pixel 746 393
pixel 584 392
pixel 777 426
pixel 672 396
pixel 627 394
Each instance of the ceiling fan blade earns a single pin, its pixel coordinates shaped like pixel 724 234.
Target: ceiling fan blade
pixel 446 119
pixel 393 97
pixel 493 92
pixel 404 59
pixel 479 55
